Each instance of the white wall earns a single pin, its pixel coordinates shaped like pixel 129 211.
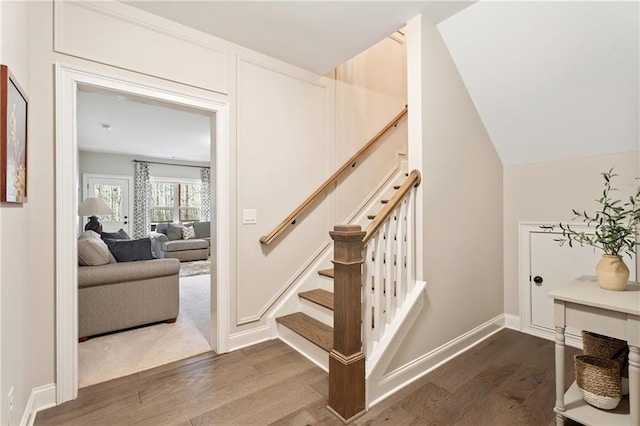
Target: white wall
pixel 547 192
pixel 367 92
pixel 274 109
pixel 371 89
pixel 462 192
pixel 17 355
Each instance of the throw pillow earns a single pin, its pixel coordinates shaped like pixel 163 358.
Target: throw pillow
pixel 188 233
pixel 162 228
pixel 203 229
pixel 174 232
pixel 123 234
pixel 93 252
pixel 130 250
pixel 120 235
pixel 89 234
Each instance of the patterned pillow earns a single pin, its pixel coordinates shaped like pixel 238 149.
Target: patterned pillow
pixel 188 233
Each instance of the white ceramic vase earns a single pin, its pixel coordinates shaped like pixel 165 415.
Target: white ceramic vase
pixel 612 273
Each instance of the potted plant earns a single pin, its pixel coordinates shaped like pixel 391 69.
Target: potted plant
pixel 615 225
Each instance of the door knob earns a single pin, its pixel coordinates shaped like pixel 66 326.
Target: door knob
pixel 537 279
pixel 125 222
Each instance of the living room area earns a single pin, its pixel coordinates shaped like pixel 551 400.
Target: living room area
pixel 146 234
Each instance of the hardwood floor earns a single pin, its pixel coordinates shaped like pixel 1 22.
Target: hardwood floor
pixel 508 379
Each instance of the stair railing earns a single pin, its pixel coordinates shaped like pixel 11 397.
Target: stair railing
pixel 292 217
pixel 374 271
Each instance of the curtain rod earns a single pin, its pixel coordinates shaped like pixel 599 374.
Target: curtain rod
pixel 170 164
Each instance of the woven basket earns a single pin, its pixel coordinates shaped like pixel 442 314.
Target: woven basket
pixel 599 381
pixel 608 348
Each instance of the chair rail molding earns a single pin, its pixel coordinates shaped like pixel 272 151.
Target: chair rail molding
pixel 67 81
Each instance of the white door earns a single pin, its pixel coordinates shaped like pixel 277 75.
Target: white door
pixel 552 266
pixel 115 192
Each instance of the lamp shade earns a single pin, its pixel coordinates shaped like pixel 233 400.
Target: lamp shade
pixel 94 206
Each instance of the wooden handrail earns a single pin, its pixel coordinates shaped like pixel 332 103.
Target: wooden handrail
pixel 413 180
pixel 289 220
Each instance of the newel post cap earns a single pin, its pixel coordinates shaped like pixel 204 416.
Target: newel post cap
pixel 347 232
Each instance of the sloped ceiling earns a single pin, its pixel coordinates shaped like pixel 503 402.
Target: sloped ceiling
pixel 315 35
pixel 551 80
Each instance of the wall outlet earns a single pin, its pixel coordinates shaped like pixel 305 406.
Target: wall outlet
pixel 10 403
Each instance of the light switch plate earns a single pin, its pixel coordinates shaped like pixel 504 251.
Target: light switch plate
pixel 249 216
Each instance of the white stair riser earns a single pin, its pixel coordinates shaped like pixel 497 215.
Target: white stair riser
pixel 325 283
pixel 316 311
pixel 309 350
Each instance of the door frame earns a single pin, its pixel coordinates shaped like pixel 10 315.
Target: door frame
pixel 85 189
pixel 67 80
pixel 525 231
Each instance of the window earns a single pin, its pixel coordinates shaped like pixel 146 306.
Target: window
pixel 175 201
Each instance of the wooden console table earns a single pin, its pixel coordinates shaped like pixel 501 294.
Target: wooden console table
pixel 582 304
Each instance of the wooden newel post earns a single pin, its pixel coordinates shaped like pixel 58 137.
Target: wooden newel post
pixel 346 360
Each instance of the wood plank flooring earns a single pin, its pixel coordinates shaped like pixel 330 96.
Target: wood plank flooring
pixel 508 379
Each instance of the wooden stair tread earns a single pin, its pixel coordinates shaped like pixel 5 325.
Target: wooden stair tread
pixel 319 296
pixel 311 329
pixel 326 272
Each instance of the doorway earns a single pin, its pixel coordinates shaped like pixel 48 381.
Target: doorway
pixel 68 83
pixel 116 192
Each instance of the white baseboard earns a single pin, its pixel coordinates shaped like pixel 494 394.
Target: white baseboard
pixel 570 339
pixel 408 373
pixel 41 398
pixel 512 322
pixel 250 337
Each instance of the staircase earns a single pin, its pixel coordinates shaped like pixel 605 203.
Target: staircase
pixel 383 293
pixel 315 320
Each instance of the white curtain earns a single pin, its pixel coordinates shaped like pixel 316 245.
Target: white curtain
pixel 141 200
pixel 205 194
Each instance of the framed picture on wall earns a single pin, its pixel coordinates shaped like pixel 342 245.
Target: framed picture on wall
pixel 13 139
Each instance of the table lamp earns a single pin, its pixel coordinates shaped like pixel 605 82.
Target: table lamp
pixel 92 207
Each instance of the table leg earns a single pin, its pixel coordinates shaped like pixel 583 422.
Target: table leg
pixel 559 374
pixel 634 384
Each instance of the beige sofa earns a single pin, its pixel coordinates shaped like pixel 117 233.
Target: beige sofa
pixel 167 242
pixel 121 295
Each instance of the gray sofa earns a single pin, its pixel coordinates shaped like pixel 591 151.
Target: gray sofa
pixel 168 241
pixel 121 295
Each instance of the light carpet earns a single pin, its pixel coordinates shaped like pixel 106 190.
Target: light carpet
pixel 120 354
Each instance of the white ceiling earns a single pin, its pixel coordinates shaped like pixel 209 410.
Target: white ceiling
pixel 551 80
pixel 315 35
pixel 141 128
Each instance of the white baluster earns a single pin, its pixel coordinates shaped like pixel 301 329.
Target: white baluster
pixel 378 293
pixel 390 268
pixel 400 271
pixel 368 297
pixel 411 249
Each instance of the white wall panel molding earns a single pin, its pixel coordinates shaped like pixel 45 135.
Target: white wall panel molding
pixel 285 119
pixel 284 69
pixel 119 35
pixel 282 290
